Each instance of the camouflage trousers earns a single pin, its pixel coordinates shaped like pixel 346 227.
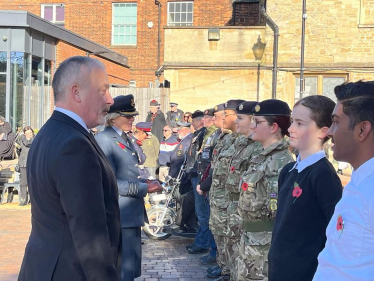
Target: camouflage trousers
pixel 221 254
pixel 252 263
pixel 232 238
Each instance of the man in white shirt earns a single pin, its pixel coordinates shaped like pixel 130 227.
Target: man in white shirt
pixel 349 250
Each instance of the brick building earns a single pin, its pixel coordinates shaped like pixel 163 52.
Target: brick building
pixel 31 48
pixel 206 46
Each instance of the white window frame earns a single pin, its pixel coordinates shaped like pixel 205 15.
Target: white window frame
pixel 132 84
pixel 180 23
pixel 54 5
pixel 124 34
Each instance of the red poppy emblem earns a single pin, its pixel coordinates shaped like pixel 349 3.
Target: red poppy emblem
pixel 340 225
pixel 121 145
pixel 297 191
pixel 244 186
pixel 232 169
pixel 153 101
pixel 215 152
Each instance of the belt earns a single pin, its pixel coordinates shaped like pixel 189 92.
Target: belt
pixel 258 226
pixel 234 196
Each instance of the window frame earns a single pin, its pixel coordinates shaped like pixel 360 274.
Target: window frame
pixel 320 77
pixel 124 25
pixel 180 23
pixel 54 5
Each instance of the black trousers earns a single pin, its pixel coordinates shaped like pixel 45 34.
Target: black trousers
pixel 131 253
pixel 186 214
pixel 23 186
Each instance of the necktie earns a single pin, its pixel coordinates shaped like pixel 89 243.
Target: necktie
pixel 127 139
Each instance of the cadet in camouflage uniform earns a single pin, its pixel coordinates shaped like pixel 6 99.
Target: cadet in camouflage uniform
pixel 259 187
pixel 242 150
pixel 219 196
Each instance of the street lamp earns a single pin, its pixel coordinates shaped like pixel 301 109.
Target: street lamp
pixel 258 51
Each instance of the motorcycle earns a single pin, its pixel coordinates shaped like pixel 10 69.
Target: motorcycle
pixel 165 207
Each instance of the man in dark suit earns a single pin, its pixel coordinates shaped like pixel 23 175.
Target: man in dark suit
pixel 75 215
pixel 157 118
pixel 132 189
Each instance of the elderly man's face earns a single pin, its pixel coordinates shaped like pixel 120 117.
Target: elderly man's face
pixel 95 97
pixel 153 109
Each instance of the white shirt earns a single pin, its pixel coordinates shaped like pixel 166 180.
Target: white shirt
pixel 349 254
pixel 72 115
pixel 300 165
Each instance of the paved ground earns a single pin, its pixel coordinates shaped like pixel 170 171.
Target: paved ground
pixel 162 260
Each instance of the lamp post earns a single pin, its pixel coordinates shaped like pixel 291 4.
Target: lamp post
pixel 258 51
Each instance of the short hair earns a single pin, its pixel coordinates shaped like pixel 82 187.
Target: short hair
pixel 2 119
pixel 69 72
pixel 28 128
pixel 321 108
pixel 357 99
pixel 198 118
pixel 110 117
pixel 284 122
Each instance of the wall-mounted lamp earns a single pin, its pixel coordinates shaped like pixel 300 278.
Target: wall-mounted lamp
pixel 213 34
pixel 5 38
pixel 258 49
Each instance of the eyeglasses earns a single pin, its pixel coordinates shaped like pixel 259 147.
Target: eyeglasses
pixel 126 116
pixel 256 122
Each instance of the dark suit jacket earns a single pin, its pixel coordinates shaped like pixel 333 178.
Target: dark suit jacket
pixel 75 215
pixel 158 124
pixel 25 145
pixel 131 188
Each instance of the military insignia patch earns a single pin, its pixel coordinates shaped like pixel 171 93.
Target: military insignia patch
pixel 257 108
pixel 179 153
pixel 216 107
pixel 241 107
pixel 132 103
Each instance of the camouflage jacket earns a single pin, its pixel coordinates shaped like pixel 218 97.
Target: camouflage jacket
pixel 243 148
pixel 259 184
pixel 221 143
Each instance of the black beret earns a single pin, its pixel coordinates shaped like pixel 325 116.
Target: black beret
pixel 272 107
pixel 124 105
pixel 246 107
pixel 197 113
pixel 232 104
pixel 209 111
pixel 219 107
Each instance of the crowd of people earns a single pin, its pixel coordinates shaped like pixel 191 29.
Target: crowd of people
pixel 257 188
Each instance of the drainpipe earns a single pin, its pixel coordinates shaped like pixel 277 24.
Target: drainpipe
pixel 158 35
pixel 275 29
pixel 302 80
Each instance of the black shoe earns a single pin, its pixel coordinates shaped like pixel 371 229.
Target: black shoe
pixel 214 274
pixel 212 268
pixel 191 229
pixel 197 250
pixel 208 261
pixel 189 246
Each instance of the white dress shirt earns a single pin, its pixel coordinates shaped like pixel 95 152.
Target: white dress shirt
pixel 300 165
pixel 349 254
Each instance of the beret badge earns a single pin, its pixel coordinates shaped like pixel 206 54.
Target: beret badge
pixel 132 102
pixel 241 107
pixel 216 107
pixel 257 108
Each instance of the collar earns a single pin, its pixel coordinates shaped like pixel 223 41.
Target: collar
pixel 118 131
pixel 185 136
pixel 72 115
pixel 300 165
pixel 362 172
pixel 279 145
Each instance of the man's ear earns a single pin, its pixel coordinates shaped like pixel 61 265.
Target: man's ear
pixel 275 128
pixel 323 133
pixel 364 129
pixel 75 93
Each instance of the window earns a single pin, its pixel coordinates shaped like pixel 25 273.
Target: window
pixel 55 13
pixel 180 13
pixel 247 13
pixel 132 84
pixel 124 17
pixel 319 84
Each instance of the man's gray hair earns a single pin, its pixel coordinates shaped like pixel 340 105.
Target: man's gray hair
pixel 109 119
pixel 70 72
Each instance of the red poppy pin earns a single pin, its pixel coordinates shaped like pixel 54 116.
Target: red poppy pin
pixel 215 151
pixel 121 145
pixel 232 169
pixel 244 186
pixel 297 191
pixel 340 225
